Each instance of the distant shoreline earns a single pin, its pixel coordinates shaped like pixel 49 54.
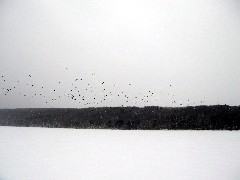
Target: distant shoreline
pixel 216 117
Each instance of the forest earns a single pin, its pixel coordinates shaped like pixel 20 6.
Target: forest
pixel 217 117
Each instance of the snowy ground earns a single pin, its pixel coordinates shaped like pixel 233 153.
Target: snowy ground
pixel 39 153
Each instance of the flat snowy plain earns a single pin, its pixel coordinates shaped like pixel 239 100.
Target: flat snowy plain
pixel 42 153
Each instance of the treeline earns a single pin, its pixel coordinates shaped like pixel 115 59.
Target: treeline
pixel 153 118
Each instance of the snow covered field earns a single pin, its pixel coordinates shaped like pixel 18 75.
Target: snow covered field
pixel 40 153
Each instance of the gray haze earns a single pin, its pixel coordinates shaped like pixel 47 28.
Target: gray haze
pixel 183 51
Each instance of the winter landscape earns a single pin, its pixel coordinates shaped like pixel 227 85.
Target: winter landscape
pixel 52 153
pixel 119 90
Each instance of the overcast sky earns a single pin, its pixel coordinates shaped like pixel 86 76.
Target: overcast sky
pixel 185 52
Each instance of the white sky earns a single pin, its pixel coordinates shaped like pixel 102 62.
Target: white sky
pixel 193 45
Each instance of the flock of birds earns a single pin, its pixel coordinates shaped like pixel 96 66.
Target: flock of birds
pixel 85 95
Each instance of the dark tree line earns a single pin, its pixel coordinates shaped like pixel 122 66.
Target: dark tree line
pixel 154 118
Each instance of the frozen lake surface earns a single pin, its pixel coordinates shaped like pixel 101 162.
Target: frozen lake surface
pixel 41 153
